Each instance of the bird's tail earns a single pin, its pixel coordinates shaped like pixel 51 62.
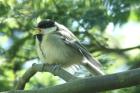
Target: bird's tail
pixel 91 67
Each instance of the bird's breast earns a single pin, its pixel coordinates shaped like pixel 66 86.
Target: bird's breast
pixel 54 51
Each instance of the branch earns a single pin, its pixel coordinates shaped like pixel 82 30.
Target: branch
pixel 118 49
pixel 102 47
pixel 92 85
pixel 43 68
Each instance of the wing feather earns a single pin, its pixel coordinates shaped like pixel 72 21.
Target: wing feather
pixel 72 41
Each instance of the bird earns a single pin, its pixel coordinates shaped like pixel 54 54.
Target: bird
pixel 57 45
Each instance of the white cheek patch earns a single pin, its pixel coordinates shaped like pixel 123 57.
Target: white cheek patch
pixel 48 30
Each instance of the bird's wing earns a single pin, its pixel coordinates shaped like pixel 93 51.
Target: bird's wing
pixel 71 40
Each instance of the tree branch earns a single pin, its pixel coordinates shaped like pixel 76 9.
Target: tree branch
pixel 102 47
pixel 93 84
pixel 43 68
pixel 118 49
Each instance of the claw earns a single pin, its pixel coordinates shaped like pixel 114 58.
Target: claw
pixel 52 67
pixel 55 67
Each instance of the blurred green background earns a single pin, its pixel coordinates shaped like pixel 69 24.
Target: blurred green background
pixel 106 27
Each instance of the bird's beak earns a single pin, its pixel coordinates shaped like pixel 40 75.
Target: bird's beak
pixel 37 31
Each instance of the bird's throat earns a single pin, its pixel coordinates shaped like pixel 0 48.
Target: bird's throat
pixel 39 37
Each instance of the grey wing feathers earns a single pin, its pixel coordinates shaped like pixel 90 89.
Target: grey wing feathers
pixel 86 54
pixel 72 41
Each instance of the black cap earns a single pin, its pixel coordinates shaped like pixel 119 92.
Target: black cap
pixel 47 23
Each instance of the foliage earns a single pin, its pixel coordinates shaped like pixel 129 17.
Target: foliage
pixel 87 19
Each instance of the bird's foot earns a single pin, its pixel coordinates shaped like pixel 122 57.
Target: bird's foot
pixel 51 67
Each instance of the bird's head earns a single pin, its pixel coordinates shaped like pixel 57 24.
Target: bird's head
pixel 45 26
